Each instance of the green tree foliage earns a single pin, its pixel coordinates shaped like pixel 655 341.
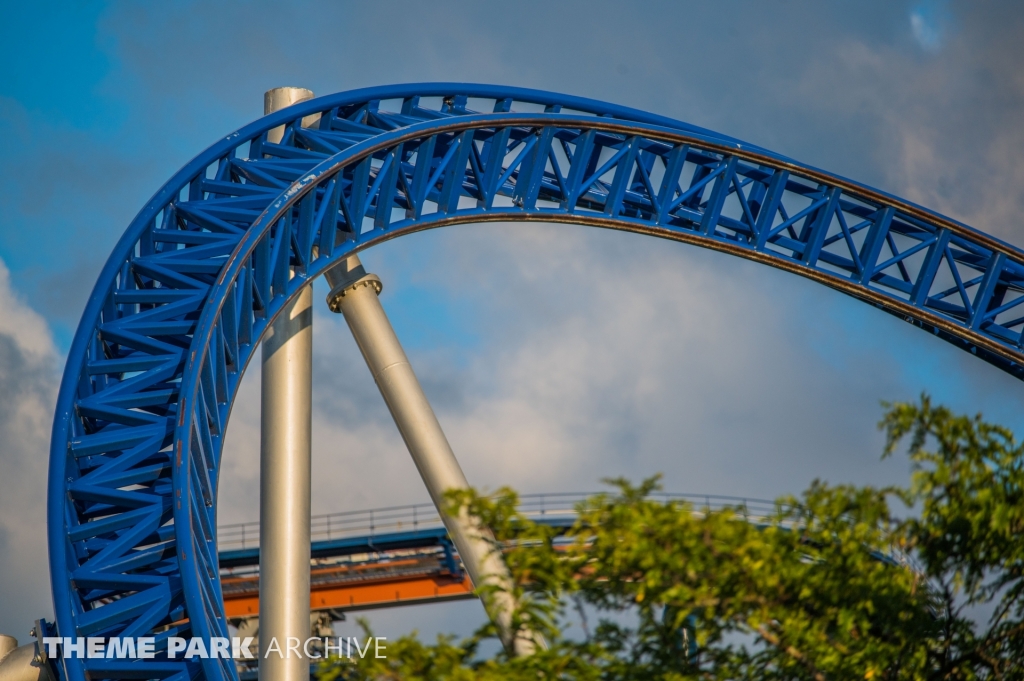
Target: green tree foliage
pixel 833 585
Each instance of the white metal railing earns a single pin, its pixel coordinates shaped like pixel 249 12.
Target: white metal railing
pixel 377 521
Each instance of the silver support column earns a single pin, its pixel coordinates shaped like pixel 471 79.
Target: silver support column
pixel 354 294
pixel 285 454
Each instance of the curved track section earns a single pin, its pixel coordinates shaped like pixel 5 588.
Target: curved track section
pixel 218 252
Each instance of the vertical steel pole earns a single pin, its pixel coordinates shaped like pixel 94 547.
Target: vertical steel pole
pixel 285 454
pixel 354 294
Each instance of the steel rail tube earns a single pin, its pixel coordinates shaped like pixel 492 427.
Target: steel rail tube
pixel 285 467
pixel 354 293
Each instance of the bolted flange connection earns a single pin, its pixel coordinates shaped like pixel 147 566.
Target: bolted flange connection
pixel 28 662
pixel 346 276
pixel 338 292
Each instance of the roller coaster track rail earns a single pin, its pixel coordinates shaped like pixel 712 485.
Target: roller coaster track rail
pixel 231 239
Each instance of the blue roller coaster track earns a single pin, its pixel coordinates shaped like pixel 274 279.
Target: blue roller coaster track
pixel 218 252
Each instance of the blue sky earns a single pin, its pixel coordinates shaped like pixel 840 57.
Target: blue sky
pixel 555 356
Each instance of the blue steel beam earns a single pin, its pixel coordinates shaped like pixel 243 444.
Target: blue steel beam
pixel 218 252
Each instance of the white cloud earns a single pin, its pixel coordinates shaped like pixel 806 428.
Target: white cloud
pixel 22 325
pixel 28 379
pixel 600 354
pixel 941 132
pixel 926 26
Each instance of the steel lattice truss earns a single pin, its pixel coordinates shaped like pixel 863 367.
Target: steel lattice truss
pixel 216 254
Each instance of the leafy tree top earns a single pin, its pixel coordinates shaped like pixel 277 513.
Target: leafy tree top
pixel 835 584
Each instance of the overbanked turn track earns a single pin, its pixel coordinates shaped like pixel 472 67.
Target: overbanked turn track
pixel 194 282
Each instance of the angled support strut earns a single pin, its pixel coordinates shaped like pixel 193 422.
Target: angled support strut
pixel 354 294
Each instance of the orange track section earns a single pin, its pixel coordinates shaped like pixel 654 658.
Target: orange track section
pixel 356 588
